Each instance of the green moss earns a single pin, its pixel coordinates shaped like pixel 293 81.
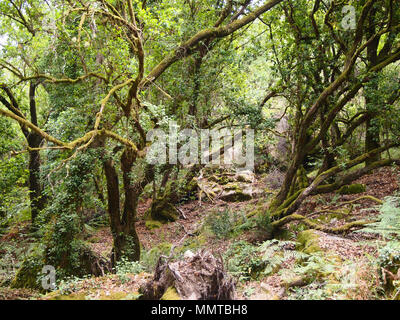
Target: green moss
pixel 118 295
pixel 73 296
pixel 28 274
pixel 221 180
pixel 162 210
pixel 353 189
pixel 149 258
pixel 233 186
pixel 152 224
pixel 163 248
pixel 302 178
pixel 327 218
pixel 308 241
pixel 193 244
pixel 170 294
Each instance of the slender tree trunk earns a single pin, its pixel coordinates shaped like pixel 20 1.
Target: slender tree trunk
pixel 36 196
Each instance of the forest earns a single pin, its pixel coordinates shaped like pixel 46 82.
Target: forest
pixel 199 150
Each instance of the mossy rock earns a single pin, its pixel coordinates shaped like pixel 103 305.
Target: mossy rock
pixel 308 242
pixel 221 180
pixel 152 224
pixel 244 177
pixel 235 196
pixel 352 189
pixel 233 187
pixel 293 281
pixel 28 274
pixel 170 294
pixel 163 211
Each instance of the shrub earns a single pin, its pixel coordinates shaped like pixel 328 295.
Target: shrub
pixel 222 224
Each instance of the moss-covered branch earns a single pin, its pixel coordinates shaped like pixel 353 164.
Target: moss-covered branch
pixel 317 226
pixel 73 144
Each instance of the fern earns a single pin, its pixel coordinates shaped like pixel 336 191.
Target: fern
pixel 389 224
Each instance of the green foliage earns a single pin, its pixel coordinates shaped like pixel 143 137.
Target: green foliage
pixel 215 77
pixel 224 224
pixel 389 261
pixel 14 253
pixel 62 224
pixel 150 257
pixel 124 267
pixel 246 261
pixel 389 224
pixel 263 222
pixel 14 196
pixel 243 261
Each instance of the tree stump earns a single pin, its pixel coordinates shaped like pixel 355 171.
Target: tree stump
pixel 198 276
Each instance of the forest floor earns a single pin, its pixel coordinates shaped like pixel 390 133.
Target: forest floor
pixel 341 266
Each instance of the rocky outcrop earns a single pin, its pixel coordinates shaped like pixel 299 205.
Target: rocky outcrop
pixel 229 186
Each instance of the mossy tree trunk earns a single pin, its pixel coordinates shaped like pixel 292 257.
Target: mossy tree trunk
pixel 125 239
